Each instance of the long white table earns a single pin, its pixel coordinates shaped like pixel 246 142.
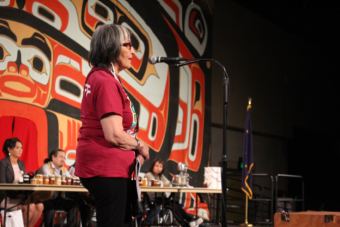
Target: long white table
pixel 79 188
pixel 37 187
pixel 42 187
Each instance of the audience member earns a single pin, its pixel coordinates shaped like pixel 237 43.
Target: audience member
pixel 54 165
pixel 11 171
pixel 156 173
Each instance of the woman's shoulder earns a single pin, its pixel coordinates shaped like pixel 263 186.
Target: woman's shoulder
pixel 99 73
pixel 100 77
pixel 4 161
pixel 149 175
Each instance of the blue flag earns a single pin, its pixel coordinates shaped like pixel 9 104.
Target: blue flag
pixel 248 162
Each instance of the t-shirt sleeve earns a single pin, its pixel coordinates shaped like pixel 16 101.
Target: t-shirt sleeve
pixel 108 99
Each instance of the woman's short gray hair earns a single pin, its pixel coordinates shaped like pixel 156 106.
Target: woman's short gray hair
pixel 106 44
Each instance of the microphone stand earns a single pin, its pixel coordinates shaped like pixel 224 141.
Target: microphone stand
pixel 225 111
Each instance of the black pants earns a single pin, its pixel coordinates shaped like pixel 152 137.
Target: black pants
pixel 84 203
pixel 180 215
pixel 60 203
pixel 154 206
pixel 111 200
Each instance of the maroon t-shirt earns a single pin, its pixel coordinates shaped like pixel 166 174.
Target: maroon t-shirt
pixel 103 95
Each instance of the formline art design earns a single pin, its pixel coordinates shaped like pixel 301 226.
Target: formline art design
pixel 43 67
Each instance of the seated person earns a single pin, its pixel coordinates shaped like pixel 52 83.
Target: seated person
pixel 11 171
pixel 69 202
pixel 54 165
pixel 156 173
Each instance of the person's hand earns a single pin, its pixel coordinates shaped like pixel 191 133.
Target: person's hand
pixel 143 149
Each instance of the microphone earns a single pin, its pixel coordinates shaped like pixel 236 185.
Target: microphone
pixel 167 60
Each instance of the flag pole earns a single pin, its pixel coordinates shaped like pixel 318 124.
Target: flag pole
pixel 246 224
pixel 247 188
pixel 249 104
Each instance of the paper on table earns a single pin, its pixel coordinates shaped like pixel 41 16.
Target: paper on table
pixel 212 177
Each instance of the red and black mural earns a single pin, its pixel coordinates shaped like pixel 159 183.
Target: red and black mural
pixel 43 65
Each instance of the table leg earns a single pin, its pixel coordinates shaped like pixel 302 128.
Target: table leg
pixel 218 209
pixel 196 204
pixel 5 211
pixel 28 214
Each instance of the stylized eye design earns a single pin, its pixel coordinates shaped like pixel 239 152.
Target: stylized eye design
pixel 46 14
pixel 3 53
pixel 101 11
pixel 37 64
pixel 195 28
pixel 8 52
pixel 49 15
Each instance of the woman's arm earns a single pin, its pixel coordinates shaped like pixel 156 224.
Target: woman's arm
pixel 149 176
pixel 114 133
pixel 2 172
pixel 165 181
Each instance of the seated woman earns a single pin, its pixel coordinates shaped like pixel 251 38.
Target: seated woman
pixel 11 171
pixel 156 173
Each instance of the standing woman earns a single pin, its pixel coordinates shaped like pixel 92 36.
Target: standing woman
pixel 11 171
pixel 107 143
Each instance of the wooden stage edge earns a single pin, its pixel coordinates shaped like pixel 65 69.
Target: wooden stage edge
pixel 307 219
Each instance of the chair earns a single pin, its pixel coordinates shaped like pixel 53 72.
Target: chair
pixel 60 217
pixel 289 192
pixel 263 198
pixel 165 216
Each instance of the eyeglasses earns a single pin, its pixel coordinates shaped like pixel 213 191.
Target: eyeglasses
pixel 127 45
